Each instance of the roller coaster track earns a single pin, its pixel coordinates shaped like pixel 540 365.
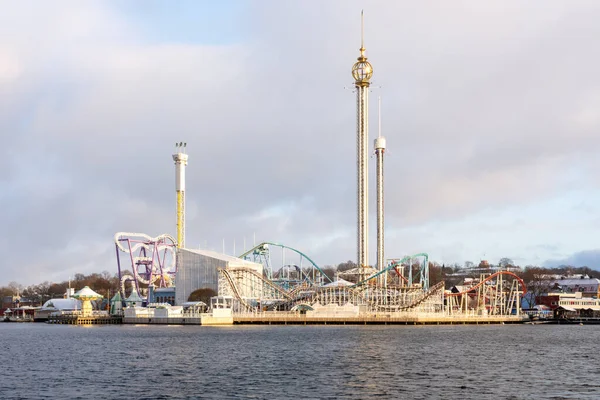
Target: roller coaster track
pixel 127 277
pixel 435 289
pixel 295 295
pixel 393 265
pixel 264 247
pixel 265 281
pixel 424 270
pixel 324 295
pixel 356 295
pixel 383 271
pixel 487 279
pixel 234 288
pixel 151 258
pixel 250 275
pixel 299 288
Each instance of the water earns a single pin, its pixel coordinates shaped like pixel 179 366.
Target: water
pixel 42 361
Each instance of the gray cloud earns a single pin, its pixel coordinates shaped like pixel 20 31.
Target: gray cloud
pixel 483 104
pixel 586 258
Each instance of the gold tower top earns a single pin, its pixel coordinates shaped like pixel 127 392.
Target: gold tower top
pixel 362 70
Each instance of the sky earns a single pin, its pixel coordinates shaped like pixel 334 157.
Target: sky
pixel 491 112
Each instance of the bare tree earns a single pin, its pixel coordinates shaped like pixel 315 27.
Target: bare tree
pixel 16 288
pixel 537 285
pixel 203 294
pixel 345 266
pixel 329 271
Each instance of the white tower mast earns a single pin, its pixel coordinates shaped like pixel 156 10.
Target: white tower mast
pixel 181 160
pixel 362 71
pixel 379 150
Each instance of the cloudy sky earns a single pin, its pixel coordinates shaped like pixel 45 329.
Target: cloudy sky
pixel 491 111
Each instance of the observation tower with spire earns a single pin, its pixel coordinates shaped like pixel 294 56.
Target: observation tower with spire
pixel 362 71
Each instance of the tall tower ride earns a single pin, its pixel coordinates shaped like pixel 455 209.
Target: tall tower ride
pixel 181 160
pixel 362 71
pixel 379 150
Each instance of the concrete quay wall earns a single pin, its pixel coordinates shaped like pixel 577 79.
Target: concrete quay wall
pixel 201 320
pixel 409 319
pixel 162 320
pixel 79 320
pixel 284 318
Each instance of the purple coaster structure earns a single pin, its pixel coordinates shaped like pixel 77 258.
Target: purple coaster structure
pixel 152 261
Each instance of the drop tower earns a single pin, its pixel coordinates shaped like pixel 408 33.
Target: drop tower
pixel 181 159
pixel 362 71
pixel 379 150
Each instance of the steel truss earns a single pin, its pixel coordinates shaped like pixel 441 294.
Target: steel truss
pixel 250 289
pixel 497 294
pixel 253 292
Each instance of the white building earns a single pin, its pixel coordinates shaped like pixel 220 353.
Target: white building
pixel 588 287
pixel 62 306
pixel 198 269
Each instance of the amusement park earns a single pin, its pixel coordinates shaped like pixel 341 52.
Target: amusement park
pixel 273 282
pixel 276 283
pixel 160 280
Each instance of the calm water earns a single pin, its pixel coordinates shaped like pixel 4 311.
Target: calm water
pixel 42 361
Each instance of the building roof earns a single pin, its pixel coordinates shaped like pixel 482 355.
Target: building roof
pixel 574 282
pixel 62 304
pixel 458 288
pixel 117 297
pixel 339 283
pixel 134 297
pixel 223 257
pixel 87 292
pixel 165 289
pixel 567 308
pixel 366 271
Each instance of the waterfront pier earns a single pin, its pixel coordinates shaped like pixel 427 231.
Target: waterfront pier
pixel 295 318
pixel 376 319
pixel 84 320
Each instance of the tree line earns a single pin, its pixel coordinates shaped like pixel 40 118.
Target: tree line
pixel 103 283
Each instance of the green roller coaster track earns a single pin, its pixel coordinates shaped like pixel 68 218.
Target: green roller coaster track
pixel 393 263
pixel 260 249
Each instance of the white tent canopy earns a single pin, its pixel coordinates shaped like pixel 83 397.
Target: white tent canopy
pixel 339 283
pixel 86 292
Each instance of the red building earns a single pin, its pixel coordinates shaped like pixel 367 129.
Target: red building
pixel 550 300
